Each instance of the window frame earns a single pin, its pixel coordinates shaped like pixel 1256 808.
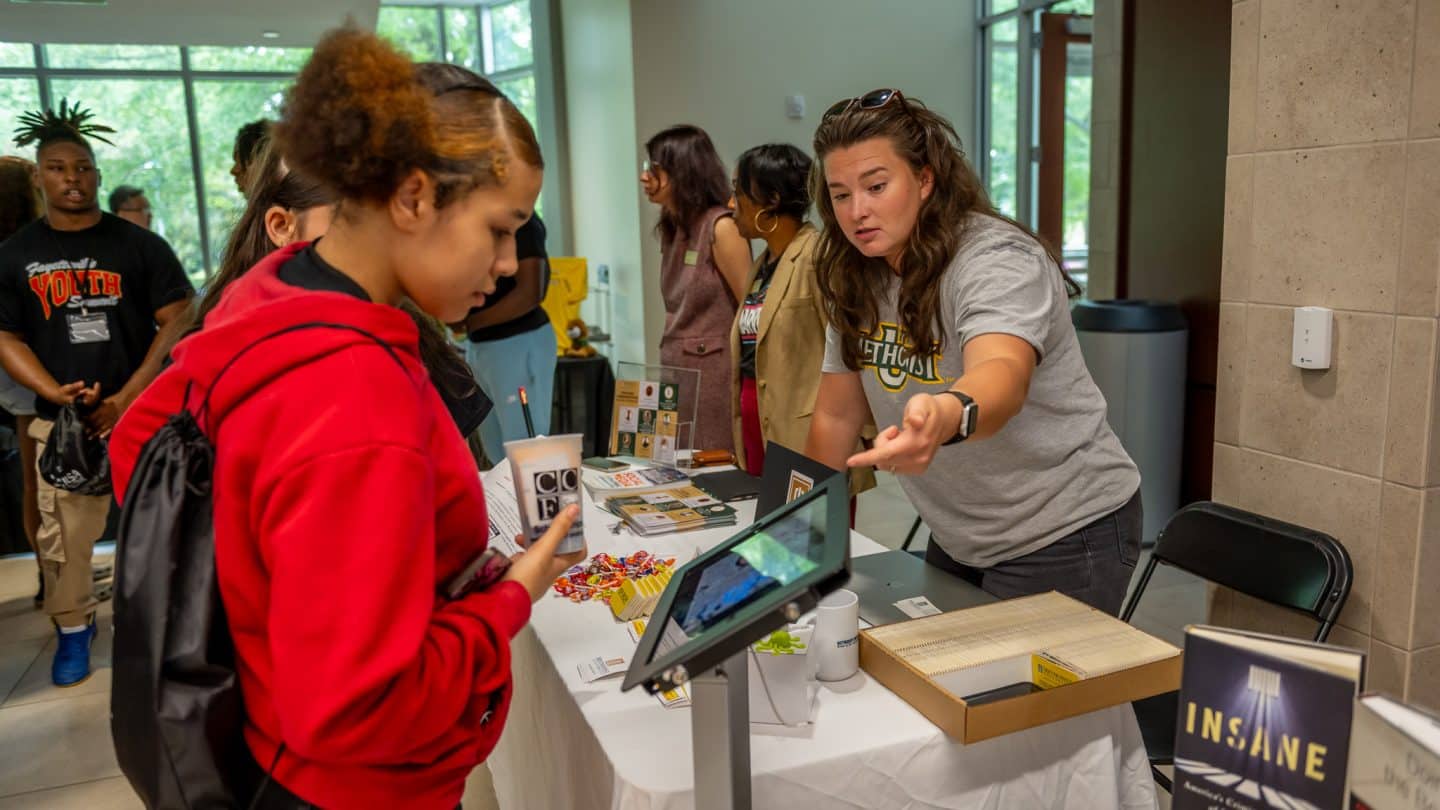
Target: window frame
pixel 43 73
pixel 1027 118
pixel 1027 98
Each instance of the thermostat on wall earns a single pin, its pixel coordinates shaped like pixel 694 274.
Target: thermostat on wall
pixel 1311 345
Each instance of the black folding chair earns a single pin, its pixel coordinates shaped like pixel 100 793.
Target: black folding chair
pixel 910 538
pixel 1280 563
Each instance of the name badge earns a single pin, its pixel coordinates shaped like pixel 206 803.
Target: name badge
pixel 692 258
pixel 91 328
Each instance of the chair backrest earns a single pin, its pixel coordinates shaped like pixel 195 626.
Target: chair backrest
pixel 1277 562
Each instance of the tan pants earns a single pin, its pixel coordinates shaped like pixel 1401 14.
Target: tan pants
pixel 28 459
pixel 69 526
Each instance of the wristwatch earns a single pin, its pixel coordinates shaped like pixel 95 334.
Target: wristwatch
pixel 969 417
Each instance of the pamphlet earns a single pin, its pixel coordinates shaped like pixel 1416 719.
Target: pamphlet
pixel 631 482
pixel 677 509
pixel 503 509
pixel 646 420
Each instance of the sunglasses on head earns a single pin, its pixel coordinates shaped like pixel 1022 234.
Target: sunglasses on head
pixel 873 100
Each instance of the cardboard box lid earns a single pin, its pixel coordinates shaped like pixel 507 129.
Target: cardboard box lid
pixel 911 661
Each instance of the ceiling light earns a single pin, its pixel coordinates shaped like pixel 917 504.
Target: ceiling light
pixel 270 34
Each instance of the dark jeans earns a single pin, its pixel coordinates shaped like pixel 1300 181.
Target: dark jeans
pixel 1093 565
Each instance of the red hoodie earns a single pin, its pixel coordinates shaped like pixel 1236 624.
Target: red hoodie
pixel 344 498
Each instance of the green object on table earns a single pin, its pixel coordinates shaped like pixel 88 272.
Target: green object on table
pixel 780 642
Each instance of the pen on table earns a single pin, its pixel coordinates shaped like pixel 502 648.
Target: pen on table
pixel 525 408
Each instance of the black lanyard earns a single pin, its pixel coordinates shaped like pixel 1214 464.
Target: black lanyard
pixel 63 256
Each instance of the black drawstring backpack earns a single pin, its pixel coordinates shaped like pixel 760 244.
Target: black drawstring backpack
pixel 175 707
pixel 74 460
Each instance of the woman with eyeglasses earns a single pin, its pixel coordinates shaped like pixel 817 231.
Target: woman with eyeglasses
pixel 950 323
pixel 703 267
pixel 779 336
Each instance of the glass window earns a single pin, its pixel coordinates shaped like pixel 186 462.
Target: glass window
pixel 152 151
pixel 17 55
pixel 462 38
pixel 521 91
pixel 413 29
pixel 509 33
pixel 222 107
pixel 1002 160
pixel 1073 7
pixel 249 58
pixel 1076 211
pixel 113 57
pixel 998 6
pixel 17 96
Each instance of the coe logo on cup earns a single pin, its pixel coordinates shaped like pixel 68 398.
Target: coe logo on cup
pixel 554 489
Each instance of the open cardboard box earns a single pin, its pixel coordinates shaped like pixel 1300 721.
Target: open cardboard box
pixel 941 698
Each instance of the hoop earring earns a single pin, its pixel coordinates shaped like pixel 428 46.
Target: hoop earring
pixel 772 227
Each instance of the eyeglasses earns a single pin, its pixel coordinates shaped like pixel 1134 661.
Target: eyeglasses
pixel 648 166
pixel 873 100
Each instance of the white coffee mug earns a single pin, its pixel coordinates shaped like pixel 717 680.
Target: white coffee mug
pixel 836 640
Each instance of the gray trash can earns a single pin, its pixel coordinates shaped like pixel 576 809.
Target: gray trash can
pixel 1136 353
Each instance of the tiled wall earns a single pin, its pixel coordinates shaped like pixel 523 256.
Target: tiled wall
pixel 1333 199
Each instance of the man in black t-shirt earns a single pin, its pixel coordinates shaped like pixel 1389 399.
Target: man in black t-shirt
pixel 512 344
pixel 84 296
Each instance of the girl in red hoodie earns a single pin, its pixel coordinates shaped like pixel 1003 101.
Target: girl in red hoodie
pixel 344 495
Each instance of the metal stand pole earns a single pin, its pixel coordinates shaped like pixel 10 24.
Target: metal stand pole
pixel 720 735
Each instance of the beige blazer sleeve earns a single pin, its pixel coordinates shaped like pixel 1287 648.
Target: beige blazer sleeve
pixel 789 353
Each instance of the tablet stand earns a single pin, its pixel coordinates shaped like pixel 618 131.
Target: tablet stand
pixel 720 735
pixel 716 645
pixel 720 730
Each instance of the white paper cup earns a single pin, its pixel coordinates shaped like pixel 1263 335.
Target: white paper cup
pixel 836 640
pixel 547 479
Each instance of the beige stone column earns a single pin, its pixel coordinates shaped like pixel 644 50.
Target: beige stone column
pixel 1333 199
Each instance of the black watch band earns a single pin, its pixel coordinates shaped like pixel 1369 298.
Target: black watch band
pixel 969 417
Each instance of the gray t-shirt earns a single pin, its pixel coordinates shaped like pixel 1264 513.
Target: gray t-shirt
pixel 1056 466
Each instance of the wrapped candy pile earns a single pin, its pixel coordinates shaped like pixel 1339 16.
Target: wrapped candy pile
pixel 605 573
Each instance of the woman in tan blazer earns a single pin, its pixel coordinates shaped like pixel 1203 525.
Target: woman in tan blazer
pixel 778 339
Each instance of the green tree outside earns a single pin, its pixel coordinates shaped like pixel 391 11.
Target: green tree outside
pixel 153 146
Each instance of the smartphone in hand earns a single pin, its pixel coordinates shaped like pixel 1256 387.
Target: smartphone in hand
pixel 488 567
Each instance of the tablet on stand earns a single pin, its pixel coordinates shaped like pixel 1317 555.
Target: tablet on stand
pixel 719 604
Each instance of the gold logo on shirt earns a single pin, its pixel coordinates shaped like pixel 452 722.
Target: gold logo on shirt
pixel 891 353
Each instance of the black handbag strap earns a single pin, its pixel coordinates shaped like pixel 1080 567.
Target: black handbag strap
pixel 269 777
pixel 203 411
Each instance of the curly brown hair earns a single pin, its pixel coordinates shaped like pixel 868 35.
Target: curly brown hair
pixel 361 116
pixel 272 184
pixel 851 283
pixel 19 202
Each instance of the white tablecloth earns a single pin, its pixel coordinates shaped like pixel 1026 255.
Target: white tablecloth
pixel 569 745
